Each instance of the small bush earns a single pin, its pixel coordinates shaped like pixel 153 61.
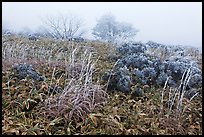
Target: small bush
pixel 150 69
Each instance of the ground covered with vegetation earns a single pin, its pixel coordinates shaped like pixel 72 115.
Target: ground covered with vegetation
pixel 53 87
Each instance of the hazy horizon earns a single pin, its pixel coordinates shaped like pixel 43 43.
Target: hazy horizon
pixel 172 23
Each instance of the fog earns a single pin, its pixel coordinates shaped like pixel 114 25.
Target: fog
pixel 174 23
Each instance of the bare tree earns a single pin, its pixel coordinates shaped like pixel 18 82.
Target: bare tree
pixel 125 32
pixel 108 29
pixel 63 27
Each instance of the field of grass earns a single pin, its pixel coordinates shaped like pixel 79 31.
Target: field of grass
pixel 83 106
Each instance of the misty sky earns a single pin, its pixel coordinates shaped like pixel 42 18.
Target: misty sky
pixel 174 23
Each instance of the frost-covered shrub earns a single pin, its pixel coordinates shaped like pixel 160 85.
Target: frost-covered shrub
pixel 145 76
pixel 124 83
pixel 176 68
pixel 195 81
pixel 150 72
pixel 138 73
pixel 136 65
pixel 135 61
pixel 119 79
pixel 138 92
pixel 161 78
pixel 131 48
pixel 166 51
pixel 23 70
pixel 153 44
pixel 156 63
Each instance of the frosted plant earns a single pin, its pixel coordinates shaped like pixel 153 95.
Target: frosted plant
pixel 195 81
pixel 150 72
pixel 151 69
pixel 23 70
pixel 123 84
pixel 161 78
pixel 131 48
pixel 138 73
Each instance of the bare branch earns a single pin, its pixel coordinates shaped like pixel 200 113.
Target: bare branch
pixel 63 27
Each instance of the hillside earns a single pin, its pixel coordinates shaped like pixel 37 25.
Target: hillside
pixel 52 87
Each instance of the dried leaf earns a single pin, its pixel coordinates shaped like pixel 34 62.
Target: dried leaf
pixel 27 105
pixel 98 115
pixel 55 121
pixel 114 111
pixel 79 124
pixel 142 114
pixel 13 131
pixel 3 85
pixel 93 119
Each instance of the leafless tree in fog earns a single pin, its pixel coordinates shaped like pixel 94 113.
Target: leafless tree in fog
pixel 108 29
pixel 63 27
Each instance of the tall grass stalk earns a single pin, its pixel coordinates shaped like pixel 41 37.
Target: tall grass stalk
pixel 176 95
pixel 53 73
pixel 111 73
pixel 80 95
pixel 183 86
pixel 162 96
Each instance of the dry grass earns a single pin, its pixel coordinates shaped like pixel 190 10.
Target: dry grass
pixel 83 106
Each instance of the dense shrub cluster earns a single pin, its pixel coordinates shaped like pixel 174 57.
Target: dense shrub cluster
pixel 119 79
pixel 129 48
pixel 158 49
pixel 24 70
pixel 136 65
pixel 176 67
